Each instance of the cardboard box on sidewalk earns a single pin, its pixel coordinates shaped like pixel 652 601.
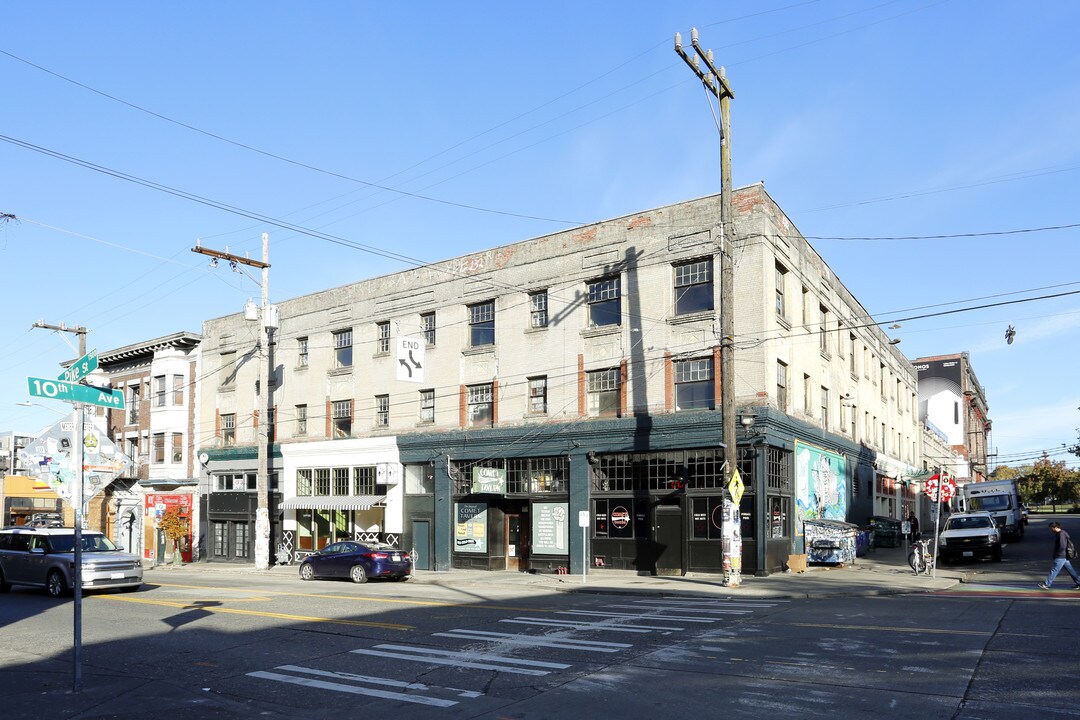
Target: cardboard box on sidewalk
pixel 796 563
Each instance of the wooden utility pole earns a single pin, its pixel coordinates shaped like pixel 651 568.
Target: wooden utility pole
pixel 716 83
pixel 264 405
pixel 77 330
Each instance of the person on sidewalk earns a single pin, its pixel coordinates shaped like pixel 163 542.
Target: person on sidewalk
pixel 915 534
pixel 1061 542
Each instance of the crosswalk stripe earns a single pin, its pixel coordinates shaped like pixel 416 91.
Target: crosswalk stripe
pixel 606 627
pixel 681 609
pixel 532 640
pixel 462 659
pixel 683 602
pixel 674 618
pixel 339 687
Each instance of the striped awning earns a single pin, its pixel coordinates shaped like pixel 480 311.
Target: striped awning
pixel 352 502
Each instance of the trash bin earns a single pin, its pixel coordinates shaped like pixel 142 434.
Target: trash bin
pixel 864 542
pixel 830 541
pixel 886 531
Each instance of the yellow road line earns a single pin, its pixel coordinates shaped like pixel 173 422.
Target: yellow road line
pixel 394 601
pixel 256 613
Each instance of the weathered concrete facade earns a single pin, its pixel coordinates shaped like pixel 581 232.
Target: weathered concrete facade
pixel 576 375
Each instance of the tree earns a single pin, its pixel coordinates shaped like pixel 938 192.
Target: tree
pixel 1050 481
pixel 175 527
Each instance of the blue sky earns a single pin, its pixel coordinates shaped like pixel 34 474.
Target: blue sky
pixel 504 121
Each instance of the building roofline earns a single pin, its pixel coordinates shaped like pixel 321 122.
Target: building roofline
pixel 181 340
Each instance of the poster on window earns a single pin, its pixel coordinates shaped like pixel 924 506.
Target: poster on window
pixel 470 533
pixel 550 528
pixel 820 485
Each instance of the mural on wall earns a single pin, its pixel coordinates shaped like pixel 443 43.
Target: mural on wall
pixel 820 485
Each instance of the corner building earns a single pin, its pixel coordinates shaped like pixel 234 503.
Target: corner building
pixel 560 405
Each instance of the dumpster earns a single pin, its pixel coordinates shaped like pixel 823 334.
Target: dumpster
pixel 864 542
pixel 830 541
pixel 886 531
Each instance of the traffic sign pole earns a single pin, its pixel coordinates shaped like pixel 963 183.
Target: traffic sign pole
pixel 77 570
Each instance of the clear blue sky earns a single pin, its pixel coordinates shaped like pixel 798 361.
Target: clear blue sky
pixel 512 120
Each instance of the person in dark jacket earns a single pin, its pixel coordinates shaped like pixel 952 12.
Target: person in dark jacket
pixel 915 534
pixel 1061 541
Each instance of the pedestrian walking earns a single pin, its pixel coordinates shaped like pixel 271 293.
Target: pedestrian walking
pixel 1063 554
pixel 914 521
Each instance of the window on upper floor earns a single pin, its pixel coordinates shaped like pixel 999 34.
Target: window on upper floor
pixel 482 324
pixel 694 389
pixel 178 388
pixel 538 309
pixel 538 395
pixel 481 406
pixel 605 302
pixel 853 367
pixel 301 420
pixel 825 408
pixel 427 327
pixel 808 396
pixel 823 328
pixel 228 429
pixel 780 277
pixel 382 411
pixel 693 286
pixel 133 398
pixel 382 337
pixel 159 391
pixel 341 418
pixel 602 388
pixel 301 352
pixel 364 480
pixel 343 348
pixel 177 447
pixel 427 406
pixel 781 386
pixel 158 448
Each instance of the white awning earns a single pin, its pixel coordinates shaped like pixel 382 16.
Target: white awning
pixel 352 502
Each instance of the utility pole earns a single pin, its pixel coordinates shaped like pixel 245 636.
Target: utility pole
pixel 715 82
pixel 78 500
pixel 264 404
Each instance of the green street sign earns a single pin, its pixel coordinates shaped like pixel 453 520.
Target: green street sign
pixel 72 392
pixel 79 369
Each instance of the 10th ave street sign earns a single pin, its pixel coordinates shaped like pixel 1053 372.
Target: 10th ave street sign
pixel 73 392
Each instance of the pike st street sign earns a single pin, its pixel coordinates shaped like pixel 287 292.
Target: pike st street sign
pixel 72 392
pixel 79 369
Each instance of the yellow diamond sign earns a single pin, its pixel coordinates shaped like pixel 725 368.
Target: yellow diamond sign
pixel 736 487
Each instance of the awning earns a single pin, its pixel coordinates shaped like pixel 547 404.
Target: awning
pixel 353 502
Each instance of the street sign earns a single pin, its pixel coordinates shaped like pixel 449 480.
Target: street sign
pixel 72 392
pixel 736 487
pixel 410 357
pixel 79 369
pixel 936 485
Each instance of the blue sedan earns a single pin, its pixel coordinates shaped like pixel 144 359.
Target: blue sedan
pixel 357 561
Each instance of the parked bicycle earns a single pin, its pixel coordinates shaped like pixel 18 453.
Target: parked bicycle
pixel 920 558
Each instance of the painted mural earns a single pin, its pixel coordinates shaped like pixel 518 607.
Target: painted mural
pixel 821 491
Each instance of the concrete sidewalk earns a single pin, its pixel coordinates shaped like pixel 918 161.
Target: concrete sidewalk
pixel 883 572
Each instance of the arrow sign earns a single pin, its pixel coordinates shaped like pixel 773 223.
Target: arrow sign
pixel 72 392
pixel 79 369
pixel 410 356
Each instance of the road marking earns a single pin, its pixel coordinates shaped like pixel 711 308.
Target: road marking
pixel 595 613
pixel 675 608
pixel 477 661
pixel 256 613
pixel 606 627
pixel 713 603
pixel 942 631
pixel 537 641
pixel 352 689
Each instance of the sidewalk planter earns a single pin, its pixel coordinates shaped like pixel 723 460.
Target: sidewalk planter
pixel 830 541
pixel 886 531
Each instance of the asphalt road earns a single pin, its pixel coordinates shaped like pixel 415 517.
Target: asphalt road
pixel 201 644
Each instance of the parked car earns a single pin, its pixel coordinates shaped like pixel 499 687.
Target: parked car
pixel 45 558
pixel 969 535
pixel 1024 513
pixel 357 561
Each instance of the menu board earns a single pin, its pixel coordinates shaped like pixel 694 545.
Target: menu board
pixel 470 532
pixel 550 528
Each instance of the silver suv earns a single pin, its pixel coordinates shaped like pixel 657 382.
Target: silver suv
pixel 45 557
